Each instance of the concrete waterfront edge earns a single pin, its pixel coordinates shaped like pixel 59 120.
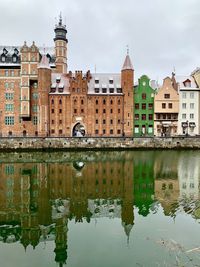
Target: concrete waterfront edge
pixel 97 143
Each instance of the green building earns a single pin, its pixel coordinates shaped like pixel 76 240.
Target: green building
pixel 144 108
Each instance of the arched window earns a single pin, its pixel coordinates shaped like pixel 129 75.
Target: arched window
pixel 104 101
pixel 119 102
pixel 60 101
pixel 52 101
pixel 97 102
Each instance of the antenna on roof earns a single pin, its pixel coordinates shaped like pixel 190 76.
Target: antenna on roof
pixel 95 68
pixel 174 70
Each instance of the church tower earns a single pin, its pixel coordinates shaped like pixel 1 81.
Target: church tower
pixel 127 83
pixel 61 47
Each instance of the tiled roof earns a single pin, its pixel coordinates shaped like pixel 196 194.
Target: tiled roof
pixel 104 82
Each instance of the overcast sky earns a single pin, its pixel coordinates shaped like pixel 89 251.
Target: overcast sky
pixel 161 34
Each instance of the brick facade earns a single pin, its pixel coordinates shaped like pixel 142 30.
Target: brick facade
pixel 39 97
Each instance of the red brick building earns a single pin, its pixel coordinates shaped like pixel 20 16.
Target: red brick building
pixel 39 97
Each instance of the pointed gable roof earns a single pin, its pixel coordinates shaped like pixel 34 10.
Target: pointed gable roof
pixel 127 63
pixel 44 63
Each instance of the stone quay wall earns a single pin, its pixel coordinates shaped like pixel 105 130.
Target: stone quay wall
pixel 93 143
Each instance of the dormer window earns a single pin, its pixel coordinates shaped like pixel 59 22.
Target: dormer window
pixel 187 83
pixel 119 90
pixel 14 59
pixel 96 90
pixel 104 90
pixel 111 80
pixel 97 80
pixel 111 90
pixel 58 79
pixel 3 58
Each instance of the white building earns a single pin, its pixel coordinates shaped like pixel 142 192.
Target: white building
pixel 189 106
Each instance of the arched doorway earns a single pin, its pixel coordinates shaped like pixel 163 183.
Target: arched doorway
pixel 24 133
pixel 78 130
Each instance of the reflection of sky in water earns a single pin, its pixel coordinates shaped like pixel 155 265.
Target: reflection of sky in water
pixel 120 209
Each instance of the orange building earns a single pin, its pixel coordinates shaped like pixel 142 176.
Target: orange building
pixel 40 97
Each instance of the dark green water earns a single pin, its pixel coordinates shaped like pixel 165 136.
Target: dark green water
pixel 100 209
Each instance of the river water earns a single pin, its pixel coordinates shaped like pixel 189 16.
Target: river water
pixel 99 209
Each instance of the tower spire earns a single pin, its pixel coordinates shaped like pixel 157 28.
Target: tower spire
pixel 60 19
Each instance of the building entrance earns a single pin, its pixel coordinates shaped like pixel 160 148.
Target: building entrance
pixel 78 130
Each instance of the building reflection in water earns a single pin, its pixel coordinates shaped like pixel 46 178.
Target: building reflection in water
pixel 38 198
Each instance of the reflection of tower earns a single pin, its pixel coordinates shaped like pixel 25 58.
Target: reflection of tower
pixel 61 241
pixel 127 214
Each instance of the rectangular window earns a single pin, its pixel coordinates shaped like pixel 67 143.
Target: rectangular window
pixel 52 131
pixel 183 116
pixel 60 121
pixel 136 117
pixel 111 121
pixel 136 129
pixel 96 131
pixel 35 120
pixel 111 90
pixel 118 131
pixel 104 110
pixel 75 110
pixel 104 121
pixel 35 108
pixel 52 111
pixel 183 105
pixel 169 105
pixel 97 111
pixel 111 131
pixel 52 121
pixel 6 73
pixel 97 121
pixel 60 131
pixel 167 96
pixel 192 105
pixel 9 120
pixel 191 116
pixel 35 96
pixel 9 96
pixel 118 110
pixel 144 96
pixel 6 85
pixel 143 117
pixel 191 95
pixel 150 117
pixel 150 130
pixel 9 107
pixel 60 111
pixel 143 106
pixel 150 106
pixel 137 106
pixel 96 90
pixel 163 105
pixel 118 121
pixel 111 111
pixel 104 90
pixel 104 131
pixel 82 110
pixel 184 95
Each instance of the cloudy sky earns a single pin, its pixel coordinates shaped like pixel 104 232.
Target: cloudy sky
pixel 161 34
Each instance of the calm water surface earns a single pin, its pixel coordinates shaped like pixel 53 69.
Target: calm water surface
pixel 100 209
